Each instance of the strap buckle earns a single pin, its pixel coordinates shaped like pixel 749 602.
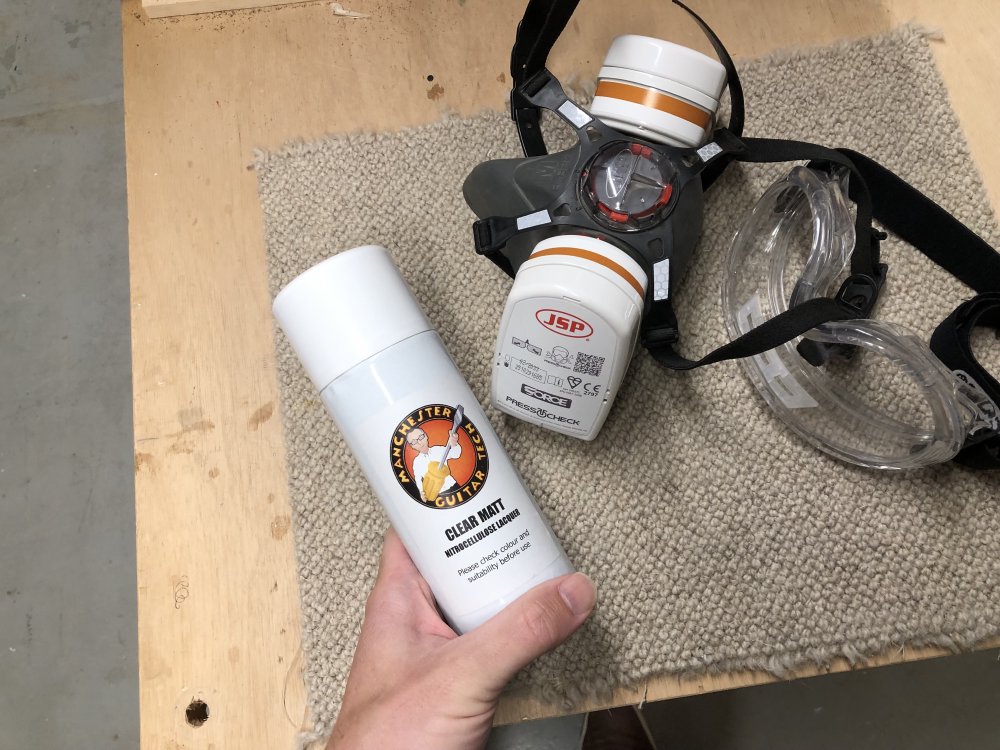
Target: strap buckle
pixel 492 233
pixel 660 336
pixel 527 114
pixel 860 292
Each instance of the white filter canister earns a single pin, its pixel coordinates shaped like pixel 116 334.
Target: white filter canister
pixel 659 91
pixel 419 435
pixel 567 334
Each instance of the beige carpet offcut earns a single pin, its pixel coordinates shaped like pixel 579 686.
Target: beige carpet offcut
pixel 717 539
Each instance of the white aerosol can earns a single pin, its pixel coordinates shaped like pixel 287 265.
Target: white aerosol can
pixel 418 435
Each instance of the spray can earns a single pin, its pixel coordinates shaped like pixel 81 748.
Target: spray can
pixel 419 435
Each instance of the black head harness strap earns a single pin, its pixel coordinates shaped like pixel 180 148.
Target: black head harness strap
pixel 540 27
pixel 543 22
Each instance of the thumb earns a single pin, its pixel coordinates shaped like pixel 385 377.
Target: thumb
pixel 530 626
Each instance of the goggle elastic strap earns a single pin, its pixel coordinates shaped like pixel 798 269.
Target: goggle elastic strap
pixel 881 195
pixel 922 223
pixel 858 295
pixel 951 343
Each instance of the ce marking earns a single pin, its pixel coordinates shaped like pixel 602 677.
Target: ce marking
pixel 592 389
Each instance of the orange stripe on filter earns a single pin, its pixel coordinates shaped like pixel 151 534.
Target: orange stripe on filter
pixel 655 100
pixel 576 252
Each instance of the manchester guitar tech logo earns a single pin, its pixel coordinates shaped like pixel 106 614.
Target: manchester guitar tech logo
pixel 438 456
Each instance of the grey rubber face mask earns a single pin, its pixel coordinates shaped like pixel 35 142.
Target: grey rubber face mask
pixel 642 195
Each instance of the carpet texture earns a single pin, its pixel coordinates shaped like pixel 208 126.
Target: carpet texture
pixel 717 539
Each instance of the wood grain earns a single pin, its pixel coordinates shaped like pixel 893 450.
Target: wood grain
pixel 218 597
pixel 166 8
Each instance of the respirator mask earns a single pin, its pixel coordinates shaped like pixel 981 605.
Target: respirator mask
pixel 598 236
pixel 598 233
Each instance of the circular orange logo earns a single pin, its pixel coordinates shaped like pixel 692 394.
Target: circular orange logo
pixel 438 456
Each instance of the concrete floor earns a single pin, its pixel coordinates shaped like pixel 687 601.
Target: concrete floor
pixel 952 703
pixel 67 557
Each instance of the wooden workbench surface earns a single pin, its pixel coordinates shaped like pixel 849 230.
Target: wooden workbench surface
pixel 218 600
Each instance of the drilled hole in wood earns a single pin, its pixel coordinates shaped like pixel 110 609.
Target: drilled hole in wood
pixel 196 713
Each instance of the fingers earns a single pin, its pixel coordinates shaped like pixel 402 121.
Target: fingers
pixel 401 598
pixel 534 624
pixel 398 578
pixel 395 562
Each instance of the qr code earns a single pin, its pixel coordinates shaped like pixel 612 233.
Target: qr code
pixel 588 364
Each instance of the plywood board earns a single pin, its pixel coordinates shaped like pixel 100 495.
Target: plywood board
pixel 218 597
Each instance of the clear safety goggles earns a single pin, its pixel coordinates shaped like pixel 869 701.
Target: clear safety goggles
pixel 887 401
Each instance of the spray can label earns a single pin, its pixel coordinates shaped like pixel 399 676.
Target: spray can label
pixel 462 510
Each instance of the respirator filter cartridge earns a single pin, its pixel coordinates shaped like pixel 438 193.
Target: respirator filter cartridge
pixel 659 91
pixel 567 334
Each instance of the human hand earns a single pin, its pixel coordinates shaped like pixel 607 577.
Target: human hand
pixel 453 439
pixel 416 684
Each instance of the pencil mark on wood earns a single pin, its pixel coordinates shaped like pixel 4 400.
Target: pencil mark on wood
pixel 182 590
